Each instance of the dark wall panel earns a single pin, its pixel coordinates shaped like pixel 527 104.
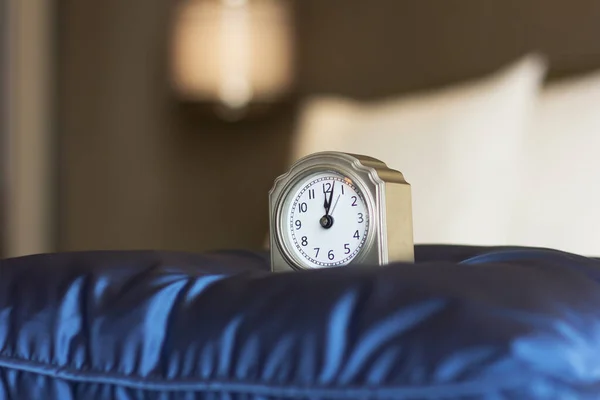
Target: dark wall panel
pixel 384 47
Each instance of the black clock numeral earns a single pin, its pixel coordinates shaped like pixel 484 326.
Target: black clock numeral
pixel 356 235
pixel 330 255
pixel 317 250
pixel 302 207
pixel 361 218
pixel 327 187
pixel 347 248
pixel 311 194
pixel 342 189
pixel 298 224
pixel 354 201
pixel 304 241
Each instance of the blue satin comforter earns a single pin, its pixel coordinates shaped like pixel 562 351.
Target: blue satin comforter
pixel 460 323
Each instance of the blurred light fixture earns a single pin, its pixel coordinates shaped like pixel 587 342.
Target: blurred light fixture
pixel 232 53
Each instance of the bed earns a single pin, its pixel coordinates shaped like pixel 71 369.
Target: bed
pixel 462 322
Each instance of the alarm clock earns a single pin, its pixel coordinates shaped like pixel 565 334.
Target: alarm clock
pixel 335 209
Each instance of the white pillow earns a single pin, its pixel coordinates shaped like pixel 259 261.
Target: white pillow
pixel 458 148
pixel 560 196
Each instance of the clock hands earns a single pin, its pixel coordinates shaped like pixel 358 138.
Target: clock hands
pixel 330 198
pixel 335 204
pixel 327 220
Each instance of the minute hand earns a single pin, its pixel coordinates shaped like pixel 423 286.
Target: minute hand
pixel 330 198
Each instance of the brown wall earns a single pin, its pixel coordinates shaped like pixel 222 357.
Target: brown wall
pixel 3 122
pixel 136 171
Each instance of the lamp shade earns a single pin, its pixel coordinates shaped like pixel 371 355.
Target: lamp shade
pixel 234 52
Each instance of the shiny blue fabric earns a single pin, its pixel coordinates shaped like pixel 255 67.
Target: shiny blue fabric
pixel 460 323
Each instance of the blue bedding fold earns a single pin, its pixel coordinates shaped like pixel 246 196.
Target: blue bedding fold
pixel 462 322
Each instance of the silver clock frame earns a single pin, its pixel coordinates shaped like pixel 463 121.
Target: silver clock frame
pixel 387 196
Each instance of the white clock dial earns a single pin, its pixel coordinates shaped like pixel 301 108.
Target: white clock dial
pixel 327 220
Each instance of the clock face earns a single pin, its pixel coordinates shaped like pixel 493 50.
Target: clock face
pixel 326 220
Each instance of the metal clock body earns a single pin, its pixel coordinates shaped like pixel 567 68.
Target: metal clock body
pixel 335 209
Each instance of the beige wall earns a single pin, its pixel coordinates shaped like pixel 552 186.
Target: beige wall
pixel 136 171
pixel 29 190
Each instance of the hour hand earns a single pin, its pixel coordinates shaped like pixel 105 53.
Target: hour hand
pixel 326 220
